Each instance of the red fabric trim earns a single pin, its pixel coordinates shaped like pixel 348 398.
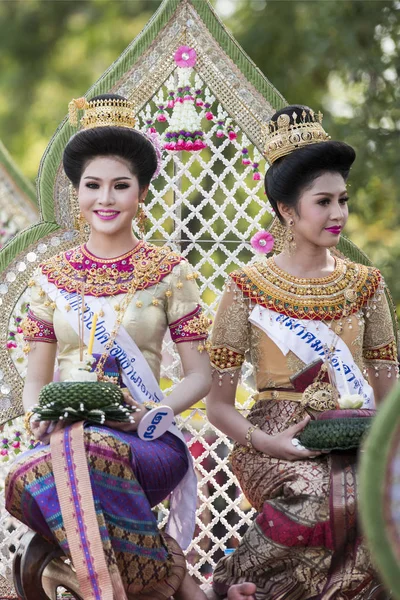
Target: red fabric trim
pixel 281 529
pixel 190 327
pixel 38 330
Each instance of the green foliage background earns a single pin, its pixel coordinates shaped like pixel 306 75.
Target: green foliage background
pixel 342 57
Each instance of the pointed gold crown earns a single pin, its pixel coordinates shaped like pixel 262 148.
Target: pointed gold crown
pixel 102 113
pixel 283 137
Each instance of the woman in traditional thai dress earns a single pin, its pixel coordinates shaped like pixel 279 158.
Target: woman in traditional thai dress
pixel 286 311
pixel 141 290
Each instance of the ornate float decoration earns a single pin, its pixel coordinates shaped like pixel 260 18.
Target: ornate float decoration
pixel 207 202
pixel 18 205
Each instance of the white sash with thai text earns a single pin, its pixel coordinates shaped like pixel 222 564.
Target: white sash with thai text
pixel 139 379
pixel 308 340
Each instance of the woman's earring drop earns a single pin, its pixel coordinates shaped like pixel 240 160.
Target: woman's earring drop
pixel 141 220
pixel 290 242
pixel 80 223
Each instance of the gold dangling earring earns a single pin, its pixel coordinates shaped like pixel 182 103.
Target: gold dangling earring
pixel 141 220
pixel 290 242
pixel 80 223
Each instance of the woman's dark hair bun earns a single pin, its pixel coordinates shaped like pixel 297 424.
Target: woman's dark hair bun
pixel 122 142
pixel 290 175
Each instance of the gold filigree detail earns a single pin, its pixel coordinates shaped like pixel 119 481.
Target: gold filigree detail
pixel 107 277
pixel 225 358
pixel 108 112
pixel 283 137
pixel 320 396
pixel 231 327
pixel 198 325
pixel 347 289
pixel 30 328
pixel 386 352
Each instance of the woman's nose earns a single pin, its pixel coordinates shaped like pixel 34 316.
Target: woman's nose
pixel 106 196
pixel 338 211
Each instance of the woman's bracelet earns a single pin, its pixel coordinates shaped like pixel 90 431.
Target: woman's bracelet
pixel 27 422
pixel 248 435
pixel 149 404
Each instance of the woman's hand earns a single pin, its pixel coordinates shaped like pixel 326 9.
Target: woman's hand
pixel 127 426
pixel 41 430
pixel 281 445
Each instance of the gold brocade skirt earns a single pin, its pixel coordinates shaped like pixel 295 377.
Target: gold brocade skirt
pixel 305 540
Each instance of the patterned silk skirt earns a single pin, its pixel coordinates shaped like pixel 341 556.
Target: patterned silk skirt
pixel 127 477
pixel 305 541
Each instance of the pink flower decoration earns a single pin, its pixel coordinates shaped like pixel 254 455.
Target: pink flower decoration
pixel 199 145
pixel 262 242
pixel 232 135
pixel 171 104
pixel 161 118
pixel 219 133
pixel 256 176
pixel 185 57
pixel 16 444
pixel 4 452
pixel 209 116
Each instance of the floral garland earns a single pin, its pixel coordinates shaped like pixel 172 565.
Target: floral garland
pixel 184 131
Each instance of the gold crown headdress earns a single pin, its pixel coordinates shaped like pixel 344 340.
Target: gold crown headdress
pixel 112 112
pixel 282 137
pixel 108 112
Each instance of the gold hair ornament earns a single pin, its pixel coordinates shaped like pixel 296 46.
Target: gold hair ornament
pixel 282 137
pixel 107 112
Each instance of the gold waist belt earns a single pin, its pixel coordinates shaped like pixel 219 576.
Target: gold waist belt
pixel 279 395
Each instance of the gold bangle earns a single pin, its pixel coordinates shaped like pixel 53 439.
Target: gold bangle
pixel 27 422
pixel 248 435
pixel 149 404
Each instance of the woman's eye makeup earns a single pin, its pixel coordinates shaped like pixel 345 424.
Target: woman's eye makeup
pixel 326 201
pixel 92 185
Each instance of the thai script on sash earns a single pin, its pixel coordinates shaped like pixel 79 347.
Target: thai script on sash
pixel 102 336
pixel 310 340
pixel 318 346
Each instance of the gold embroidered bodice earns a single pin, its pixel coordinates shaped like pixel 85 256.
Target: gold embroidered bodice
pixel 351 300
pixel 77 267
pixel 322 299
pixel 167 298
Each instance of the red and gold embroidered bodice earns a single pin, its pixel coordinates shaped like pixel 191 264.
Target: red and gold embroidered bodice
pixel 366 328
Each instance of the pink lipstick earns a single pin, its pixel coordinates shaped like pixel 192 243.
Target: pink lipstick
pixel 107 215
pixel 334 230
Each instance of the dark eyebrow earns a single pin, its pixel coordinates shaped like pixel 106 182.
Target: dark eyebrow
pixel 99 178
pixel 328 193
